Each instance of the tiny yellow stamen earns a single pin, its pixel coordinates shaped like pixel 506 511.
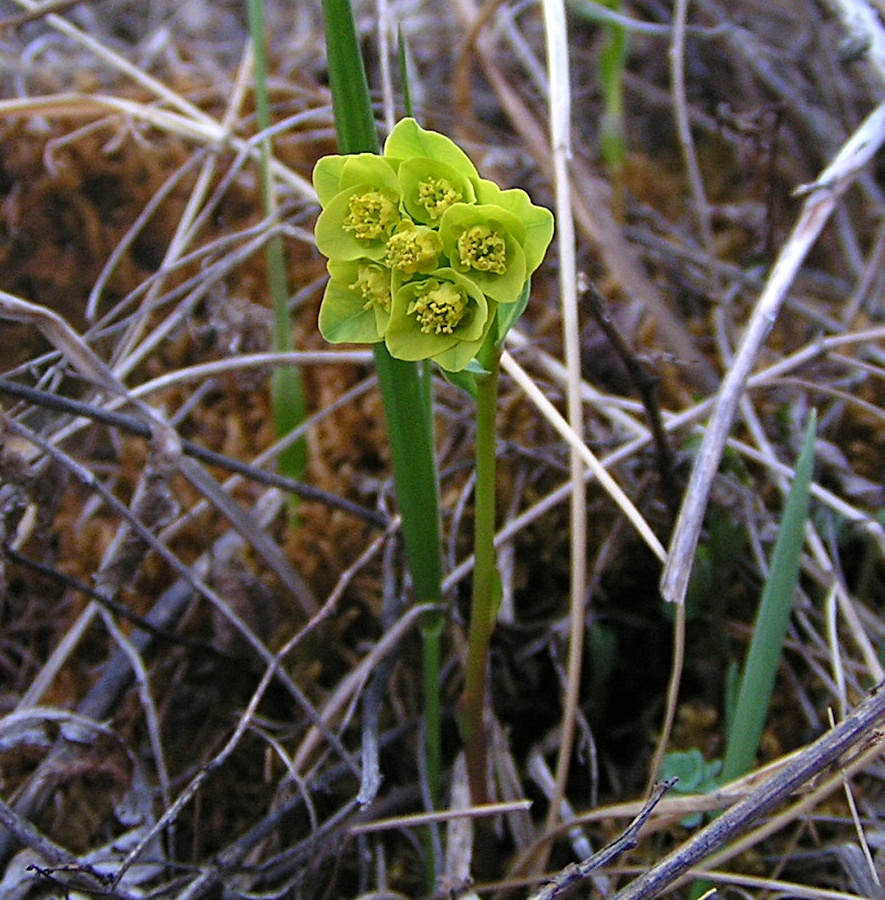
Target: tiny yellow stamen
pixel 372 216
pixel 373 285
pixel 414 248
pixel 439 307
pixel 483 249
pixel 436 195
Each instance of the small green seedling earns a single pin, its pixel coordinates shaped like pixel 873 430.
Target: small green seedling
pixel 695 774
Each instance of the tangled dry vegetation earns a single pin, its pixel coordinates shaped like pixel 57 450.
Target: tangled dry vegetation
pixel 200 683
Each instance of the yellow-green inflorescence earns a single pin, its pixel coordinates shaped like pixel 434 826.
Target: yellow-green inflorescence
pixel 421 250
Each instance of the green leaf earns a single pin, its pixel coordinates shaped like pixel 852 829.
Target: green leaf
pixel 772 620
pixel 354 122
pixel 464 379
pixel 696 776
pixel 368 168
pixel 407 404
pixel 688 766
pixel 348 315
pixel 508 313
pixel 458 357
pixel 408 139
pixel 327 177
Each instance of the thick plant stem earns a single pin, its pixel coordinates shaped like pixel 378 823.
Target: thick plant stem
pixel 486 588
pixel 405 389
pixel 410 429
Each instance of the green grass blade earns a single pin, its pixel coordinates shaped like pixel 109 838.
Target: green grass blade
pixel 354 120
pixel 405 391
pixel 288 403
pixel 402 58
pixel 772 620
pixel 411 451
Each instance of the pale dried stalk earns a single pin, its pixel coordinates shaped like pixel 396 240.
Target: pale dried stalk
pixel 822 197
pixel 559 81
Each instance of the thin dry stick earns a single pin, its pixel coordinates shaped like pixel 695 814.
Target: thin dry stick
pixel 184 232
pixel 62 868
pixel 571 876
pixel 37 12
pixel 646 385
pixel 683 128
pixel 802 808
pixel 172 811
pixel 419 820
pixel 135 426
pixel 822 198
pixel 555 418
pixel 618 407
pixel 864 27
pixel 647 390
pixel 202 129
pixel 816 758
pixel 85 477
pixel 95 370
pixel 160 196
pixel 116 676
pixel 273 667
pixel 593 216
pixel 349 688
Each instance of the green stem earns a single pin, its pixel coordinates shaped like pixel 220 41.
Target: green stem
pixel 486 589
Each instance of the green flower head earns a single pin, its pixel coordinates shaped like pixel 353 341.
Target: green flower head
pixel 413 249
pixel 443 317
pixel 484 242
pixel 422 250
pixel 536 221
pixel 358 222
pixel 357 303
pixel 360 216
pixel 431 187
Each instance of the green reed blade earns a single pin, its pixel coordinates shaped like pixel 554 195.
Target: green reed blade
pixel 772 620
pixel 405 391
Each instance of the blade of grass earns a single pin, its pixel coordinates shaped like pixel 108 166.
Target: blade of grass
pixel 772 620
pixel 405 392
pixel 612 136
pixel 286 386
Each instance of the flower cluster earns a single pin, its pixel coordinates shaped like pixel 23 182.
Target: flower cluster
pixel 421 249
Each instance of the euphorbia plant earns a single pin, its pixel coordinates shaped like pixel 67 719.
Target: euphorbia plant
pixel 434 261
pixel 421 249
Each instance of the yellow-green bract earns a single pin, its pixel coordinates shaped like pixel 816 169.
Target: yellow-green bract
pixel 421 249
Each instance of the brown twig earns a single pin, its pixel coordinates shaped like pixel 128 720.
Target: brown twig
pixel 572 875
pixel 647 386
pixel 816 758
pixel 61 867
pixel 37 12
